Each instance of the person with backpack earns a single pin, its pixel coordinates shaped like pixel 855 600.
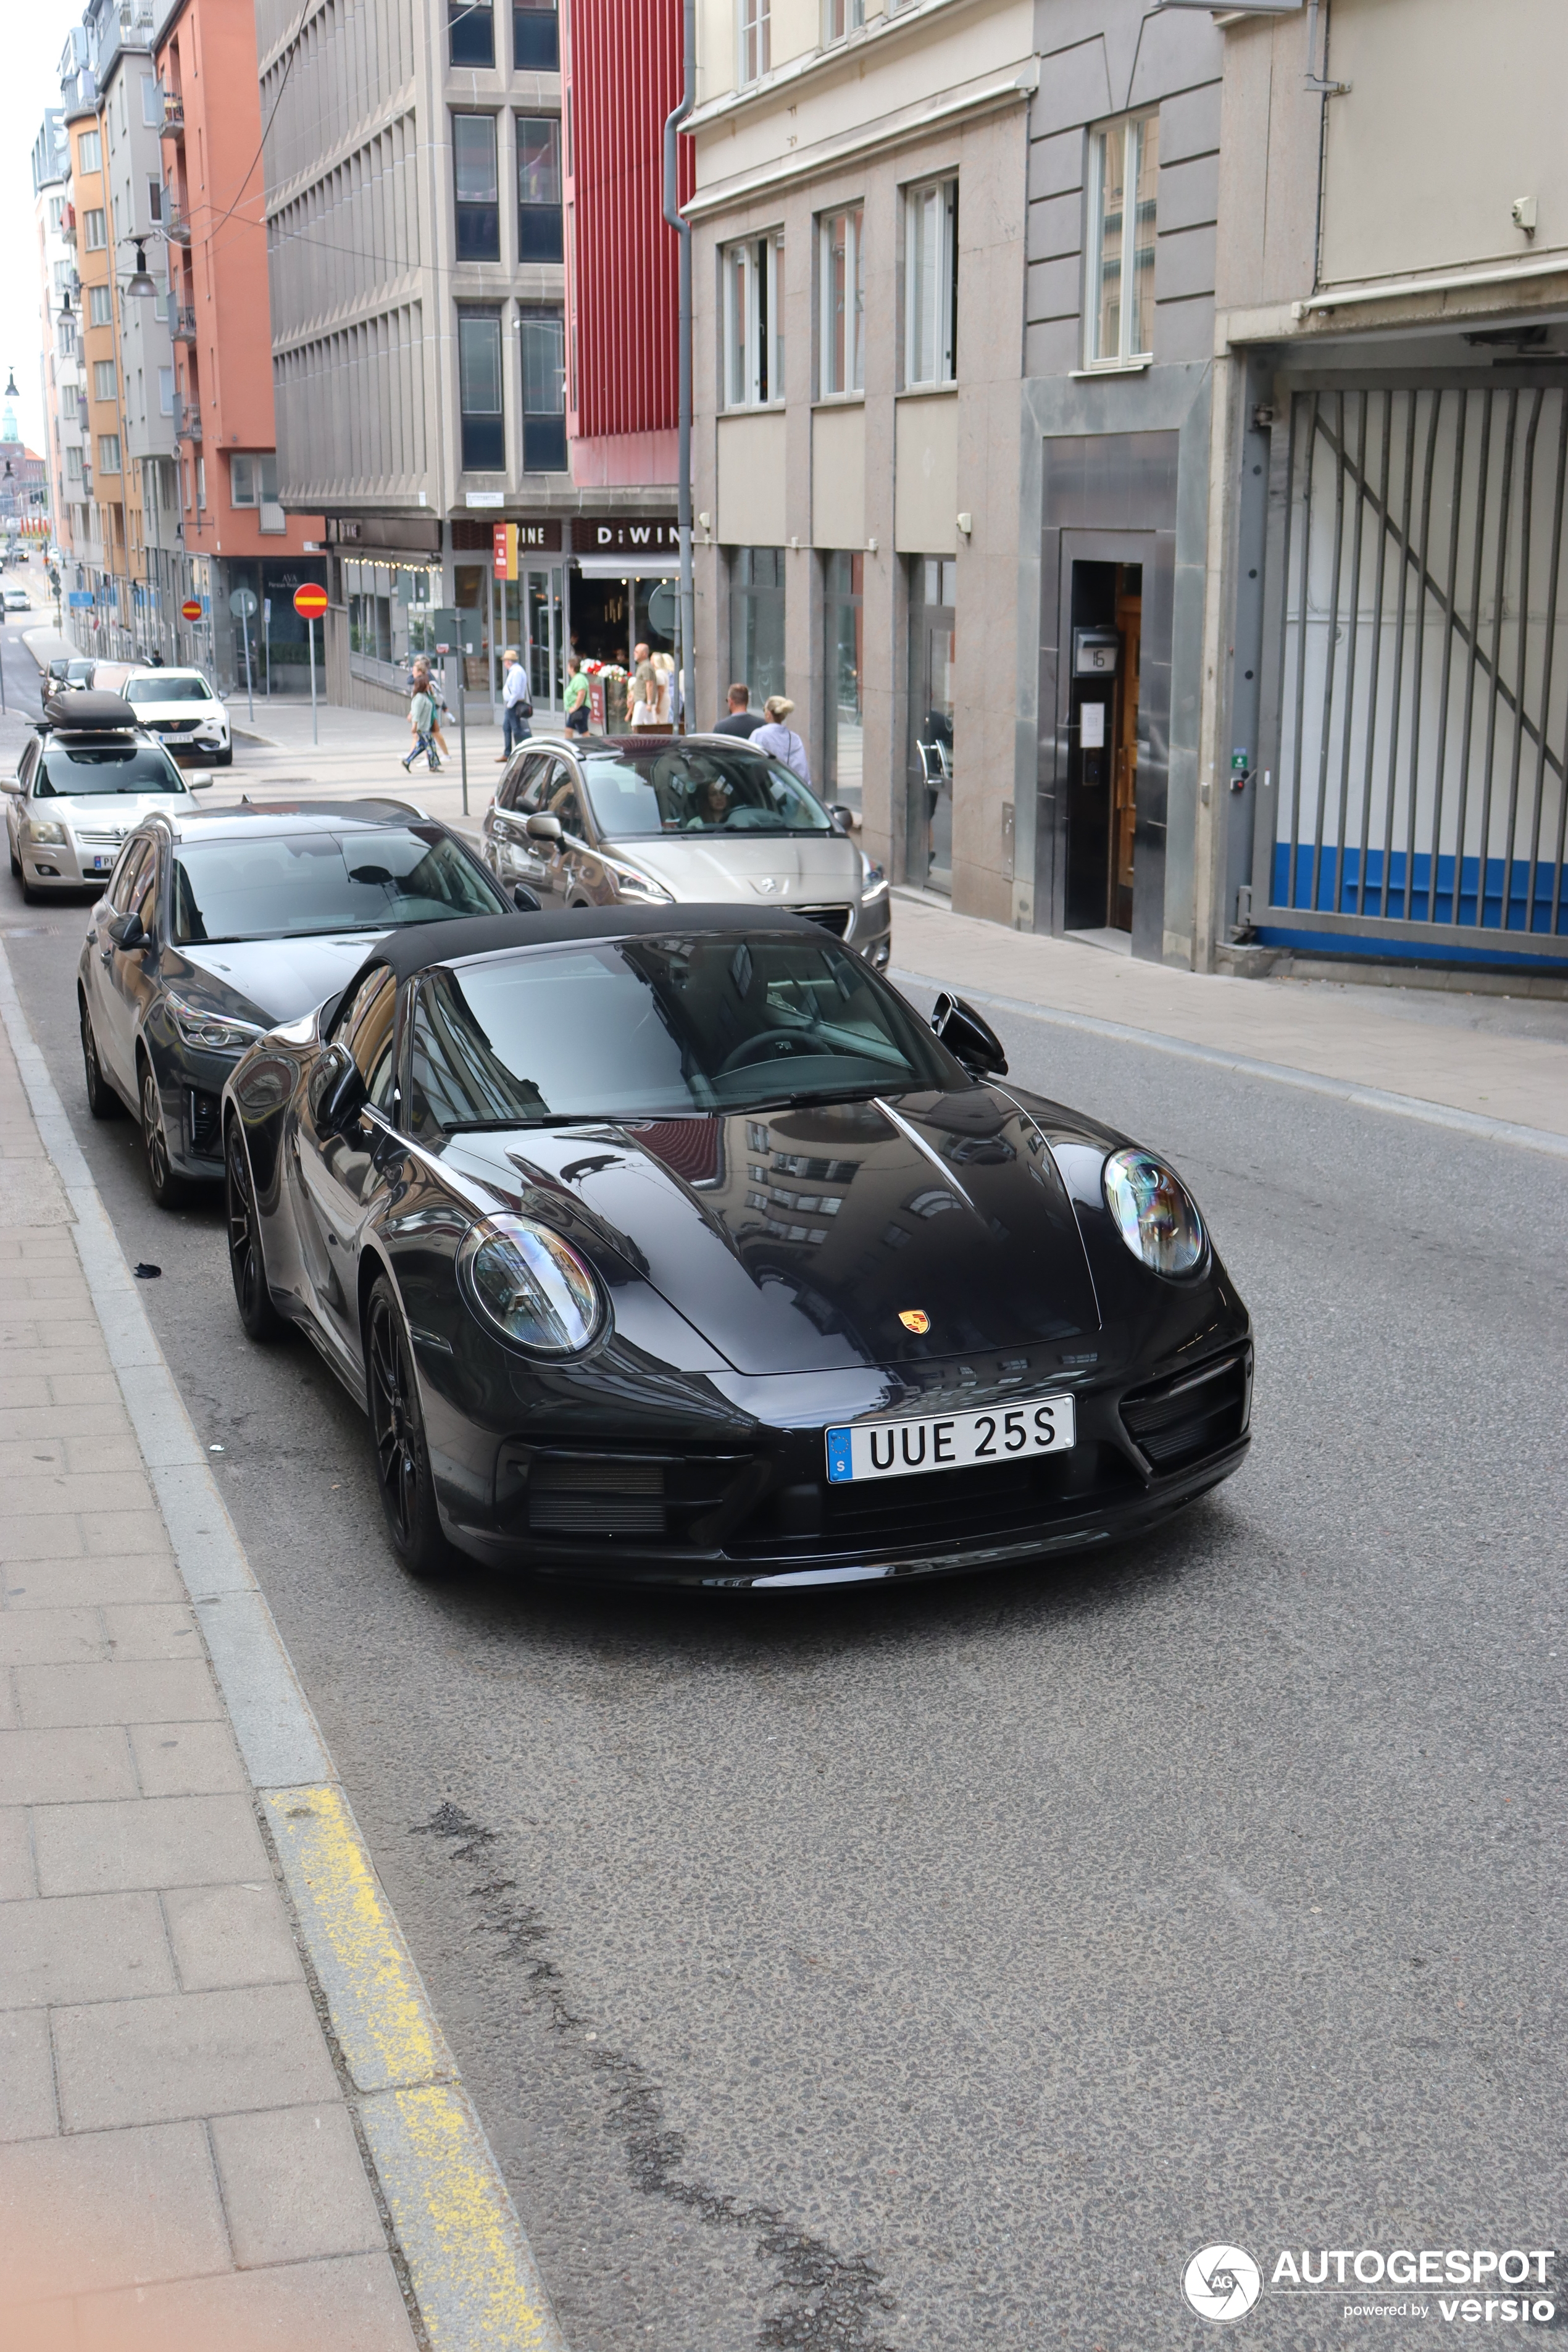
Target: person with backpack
pixel 423 676
pixel 422 720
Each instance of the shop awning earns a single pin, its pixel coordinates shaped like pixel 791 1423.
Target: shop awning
pixel 632 565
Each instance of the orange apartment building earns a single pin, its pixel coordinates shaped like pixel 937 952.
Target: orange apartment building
pixel 235 532
pixel 100 544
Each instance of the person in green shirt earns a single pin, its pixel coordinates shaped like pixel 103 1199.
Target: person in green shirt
pixel 577 700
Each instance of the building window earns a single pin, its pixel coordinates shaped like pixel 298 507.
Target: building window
pixel 253 478
pixel 754 321
pixel 841 16
pixel 842 331
pixel 99 309
pixel 109 453
pixel 543 390
pixel 479 390
pixel 471 32
pixel 103 383
pixel 165 392
pixel 478 188
pixel 94 231
pixel 1123 161
pixel 755 45
pixel 89 153
pixel 201 485
pixel 757 620
pixel 843 733
pixel 535 36
pixel 539 224
pixel 155 200
pixel 152 103
pixel 930 284
pixel 73 464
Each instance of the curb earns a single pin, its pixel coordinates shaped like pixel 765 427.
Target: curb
pixel 1462 1122
pixel 471 2268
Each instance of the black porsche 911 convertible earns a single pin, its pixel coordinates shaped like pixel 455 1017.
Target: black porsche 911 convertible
pixel 673 1245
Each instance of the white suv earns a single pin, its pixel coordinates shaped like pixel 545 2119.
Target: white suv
pixel 181 707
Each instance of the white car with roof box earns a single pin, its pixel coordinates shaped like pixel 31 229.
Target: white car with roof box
pixel 88 775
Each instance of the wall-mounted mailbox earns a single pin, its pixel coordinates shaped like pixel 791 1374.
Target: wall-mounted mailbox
pixel 1095 652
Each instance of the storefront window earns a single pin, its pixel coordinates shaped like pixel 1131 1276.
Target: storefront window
pixel 757 620
pixel 843 733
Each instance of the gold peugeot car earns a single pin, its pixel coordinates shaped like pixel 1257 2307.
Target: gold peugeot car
pixel 643 821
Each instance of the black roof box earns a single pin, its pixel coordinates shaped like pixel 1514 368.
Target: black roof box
pixel 86 713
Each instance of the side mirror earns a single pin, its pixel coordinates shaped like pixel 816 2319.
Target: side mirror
pixel 10 784
pixel 337 1091
pixel 203 784
pixel 544 829
pixel 525 900
pixel 844 819
pixel 968 1038
pixel 126 931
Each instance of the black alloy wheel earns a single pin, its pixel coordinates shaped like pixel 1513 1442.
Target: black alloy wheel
pixel 245 1262
pixel 402 1456
pixel 101 1099
pixel 161 1181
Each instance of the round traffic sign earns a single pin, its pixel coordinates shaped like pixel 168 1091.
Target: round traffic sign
pixel 190 610
pixel 242 604
pixel 664 608
pixel 310 601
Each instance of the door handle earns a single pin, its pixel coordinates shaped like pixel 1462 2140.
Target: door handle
pixel 106 955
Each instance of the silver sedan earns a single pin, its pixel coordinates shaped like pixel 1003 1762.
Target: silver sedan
pixel 693 819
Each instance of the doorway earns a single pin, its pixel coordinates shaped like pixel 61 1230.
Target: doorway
pixel 933 649
pixel 1104 677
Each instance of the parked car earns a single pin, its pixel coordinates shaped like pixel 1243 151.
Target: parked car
pixel 217 924
pixel 633 820
pixel 180 706
pixel 674 1246
pixel 88 776
pixel 67 671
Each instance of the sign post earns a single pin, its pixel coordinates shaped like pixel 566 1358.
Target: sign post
pixel 191 611
pixel 310 603
pixel 242 604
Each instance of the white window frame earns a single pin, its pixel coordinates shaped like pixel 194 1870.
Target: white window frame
pixel 94 305
pixel 107 451
pixel 852 218
pixel 931 278
pixel 98 379
pixel 95 219
pixel 1131 130
pixel 840 18
pixel 752 305
pixel 89 153
pixel 754 40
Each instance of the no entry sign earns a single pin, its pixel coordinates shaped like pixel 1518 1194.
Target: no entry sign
pixel 310 601
pixel 190 610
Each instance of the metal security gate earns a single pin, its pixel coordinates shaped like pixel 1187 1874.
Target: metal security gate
pixel 1420 672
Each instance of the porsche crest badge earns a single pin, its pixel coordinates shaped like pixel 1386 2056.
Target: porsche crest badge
pixel 914 1318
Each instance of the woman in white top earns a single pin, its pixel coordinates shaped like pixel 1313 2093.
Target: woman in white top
pixel 779 740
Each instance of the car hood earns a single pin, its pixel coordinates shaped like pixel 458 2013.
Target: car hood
pixel 798 869
pixel 795 1239
pixel 150 714
pixel 112 813
pixel 270 979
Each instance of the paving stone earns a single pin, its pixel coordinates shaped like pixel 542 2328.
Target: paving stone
pixel 90 1849
pixel 95 1450
pixel 91 2212
pixel 81 1424
pixel 231 1935
pixel 353 2305
pixel 80 1361
pixel 122 1690
pixel 153 1631
pixel 65 1767
pixel 42 1637
pixel 9 1718
pixel 294 2186
pixel 84 1388
pixel 195 2054
pixel 187 1759
pixel 35 1457
pixel 78 1947
pixel 16 1881
pixel 26 2081
pixel 29 1536
pixel 121 1492
pixel 133 1576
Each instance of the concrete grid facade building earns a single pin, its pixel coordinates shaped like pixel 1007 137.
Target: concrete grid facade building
pixel 954 277
pixel 60 374
pixel 418 164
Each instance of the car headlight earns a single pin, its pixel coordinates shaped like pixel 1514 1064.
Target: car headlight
pixel 1154 1213
pixel 217 1032
pixel 873 881
pixel 530 1286
pixel 43 828
pixel 633 883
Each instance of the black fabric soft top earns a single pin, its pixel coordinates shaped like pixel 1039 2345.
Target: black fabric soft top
pixel 421 946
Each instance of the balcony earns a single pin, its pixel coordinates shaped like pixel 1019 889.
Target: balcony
pixel 188 421
pixel 182 323
pixel 176 228
pixel 173 123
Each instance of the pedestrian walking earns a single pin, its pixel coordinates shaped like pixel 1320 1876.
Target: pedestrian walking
pixel 425 676
pixel 517 704
pixel 741 720
pixel 577 697
pixel 644 694
pixel 780 740
pixel 422 721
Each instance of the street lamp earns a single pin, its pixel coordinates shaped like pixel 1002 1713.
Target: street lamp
pixel 11 391
pixel 140 282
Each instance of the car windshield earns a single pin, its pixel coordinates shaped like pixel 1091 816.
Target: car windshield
pixel 294 886
pixel 682 790
pixel 649 1028
pixel 70 770
pixel 169 686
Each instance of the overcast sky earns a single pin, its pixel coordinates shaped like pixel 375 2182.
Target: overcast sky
pixel 34 35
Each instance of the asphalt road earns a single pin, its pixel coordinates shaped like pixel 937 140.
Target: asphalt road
pixel 940 1967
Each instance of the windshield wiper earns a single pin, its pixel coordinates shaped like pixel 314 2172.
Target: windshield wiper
pixel 550 1118
pixel 818 1095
